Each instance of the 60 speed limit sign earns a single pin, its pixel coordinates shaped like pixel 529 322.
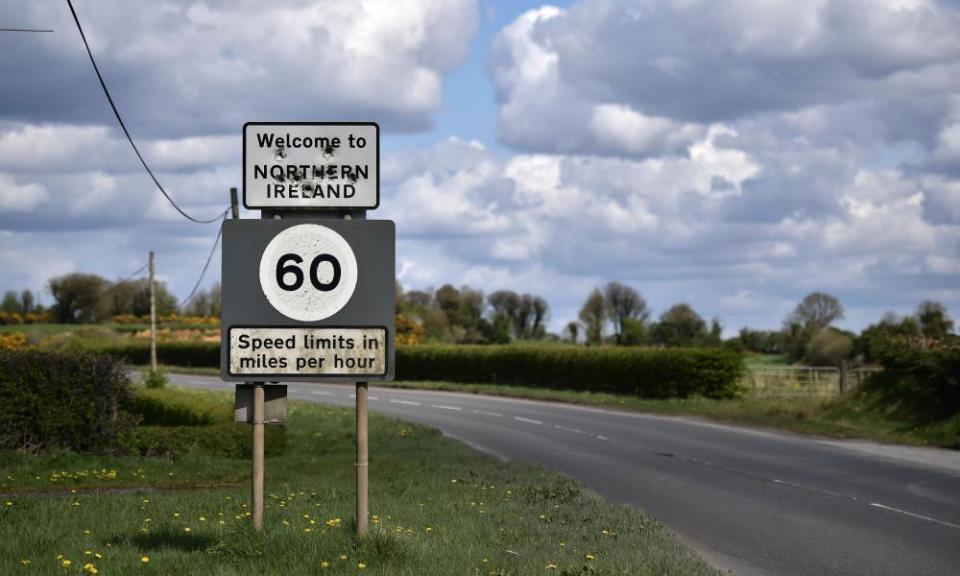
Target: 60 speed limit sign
pixel 308 272
pixel 308 300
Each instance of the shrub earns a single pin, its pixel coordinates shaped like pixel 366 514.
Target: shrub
pixel 62 399
pixel 829 347
pixel 648 373
pixel 154 378
pixel 194 354
pixel 921 375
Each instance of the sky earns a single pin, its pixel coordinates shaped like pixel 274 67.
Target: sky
pixel 735 155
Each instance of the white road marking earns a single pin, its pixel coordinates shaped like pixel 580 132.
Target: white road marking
pixel 373 397
pixel 445 407
pixel 528 420
pixel 602 438
pixel 494 414
pixel 565 429
pixel 407 402
pixel 321 393
pixel 914 515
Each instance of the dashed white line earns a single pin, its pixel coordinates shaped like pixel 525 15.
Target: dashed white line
pixel 407 402
pixel 321 393
pixel 445 407
pixel 914 515
pixel 565 429
pixel 373 398
pixel 494 414
pixel 599 437
pixel 528 420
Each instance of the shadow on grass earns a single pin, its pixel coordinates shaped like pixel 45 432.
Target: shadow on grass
pixel 166 539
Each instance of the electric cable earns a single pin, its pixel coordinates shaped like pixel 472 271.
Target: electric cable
pixel 209 258
pixel 123 126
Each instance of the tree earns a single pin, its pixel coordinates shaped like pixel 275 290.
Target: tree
pixel 418 299
pixel 506 304
pixel 623 303
pixel 540 311
pixel 11 302
pixel 815 312
pixel 593 317
pixel 572 332
pixel 934 320
pixel 27 302
pixel 679 326
pixel 78 298
pixel 216 300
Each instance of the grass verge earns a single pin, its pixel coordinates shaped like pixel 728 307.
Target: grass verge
pixel 438 506
pixel 856 415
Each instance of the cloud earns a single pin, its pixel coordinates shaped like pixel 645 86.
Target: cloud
pixel 183 68
pixel 16 197
pixel 641 78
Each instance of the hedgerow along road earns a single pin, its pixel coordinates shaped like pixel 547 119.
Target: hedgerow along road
pixel 754 502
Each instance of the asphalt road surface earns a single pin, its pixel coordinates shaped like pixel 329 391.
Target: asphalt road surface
pixel 754 502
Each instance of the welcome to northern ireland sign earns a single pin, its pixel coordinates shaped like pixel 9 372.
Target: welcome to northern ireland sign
pixel 311 165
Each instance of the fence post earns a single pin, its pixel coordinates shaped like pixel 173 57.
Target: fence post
pixel 844 375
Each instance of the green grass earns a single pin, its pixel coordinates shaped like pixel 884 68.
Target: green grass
pixel 852 416
pixel 439 508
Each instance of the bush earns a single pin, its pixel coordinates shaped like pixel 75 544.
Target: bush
pixel 62 399
pixel 646 373
pixel 829 347
pixel 922 376
pixel 154 379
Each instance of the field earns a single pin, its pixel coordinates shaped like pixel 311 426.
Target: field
pixel 438 508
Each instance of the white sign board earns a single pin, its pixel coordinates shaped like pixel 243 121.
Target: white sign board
pixel 311 165
pixel 308 351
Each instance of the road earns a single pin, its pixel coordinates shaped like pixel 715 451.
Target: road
pixel 754 502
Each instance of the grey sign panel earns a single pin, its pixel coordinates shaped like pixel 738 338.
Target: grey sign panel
pixel 311 165
pixel 308 300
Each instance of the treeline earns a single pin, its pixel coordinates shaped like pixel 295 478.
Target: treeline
pixel 808 335
pixel 465 316
pixel 88 298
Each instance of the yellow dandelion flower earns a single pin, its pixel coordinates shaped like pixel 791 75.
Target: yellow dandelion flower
pixel 429 529
pixel 66 563
pixel 203 519
pixel 187 529
pixel 90 568
pixel 551 566
pixel 343 556
pixel 98 556
pixel 25 562
pixel 221 522
pixel 8 503
pixel 324 564
pixel 590 557
pixel 176 514
pixel 145 559
pixel 361 566
pixel 87 553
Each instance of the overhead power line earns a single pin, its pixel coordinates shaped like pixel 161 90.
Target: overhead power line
pixel 124 126
pixel 24 30
pixel 135 274
pixel 209 258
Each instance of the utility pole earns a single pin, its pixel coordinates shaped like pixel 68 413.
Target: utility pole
pixel 153 319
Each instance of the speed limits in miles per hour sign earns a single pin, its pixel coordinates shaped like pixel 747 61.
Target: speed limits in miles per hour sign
pixel 308 299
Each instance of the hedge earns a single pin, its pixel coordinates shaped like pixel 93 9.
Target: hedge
pixel 644 372
pixel 922 375
pixel 60 399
